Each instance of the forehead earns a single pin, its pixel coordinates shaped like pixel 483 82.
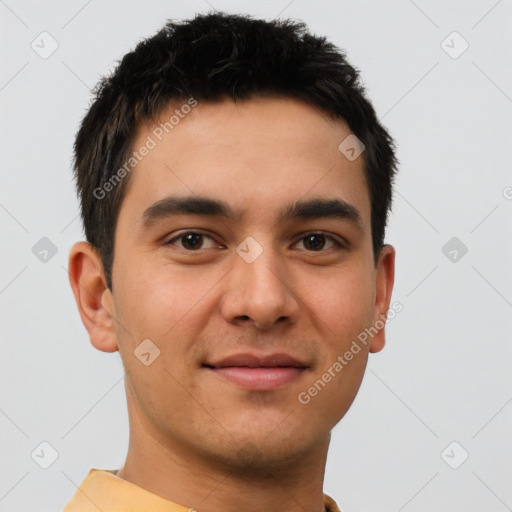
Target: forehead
pixel 256 154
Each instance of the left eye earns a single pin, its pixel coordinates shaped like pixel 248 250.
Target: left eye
pixel 311 239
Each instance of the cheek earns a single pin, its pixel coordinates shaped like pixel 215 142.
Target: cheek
pixel 342 305
pixel 156 299
pixel 342 302
pixel 169 306
pixel 160 304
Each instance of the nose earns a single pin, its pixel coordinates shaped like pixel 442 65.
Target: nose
pixel 259 293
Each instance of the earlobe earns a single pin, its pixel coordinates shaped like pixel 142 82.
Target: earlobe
pixel 93 298
pixel 385 278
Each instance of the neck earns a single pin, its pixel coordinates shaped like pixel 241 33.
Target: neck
pixel 173 471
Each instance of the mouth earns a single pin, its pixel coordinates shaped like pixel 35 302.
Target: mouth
pixel 259 373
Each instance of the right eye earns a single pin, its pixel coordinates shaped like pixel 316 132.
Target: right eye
pixel 191 241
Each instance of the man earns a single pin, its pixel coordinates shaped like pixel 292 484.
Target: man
pixel 234 185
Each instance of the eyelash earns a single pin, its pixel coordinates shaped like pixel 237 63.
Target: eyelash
pixel 338 244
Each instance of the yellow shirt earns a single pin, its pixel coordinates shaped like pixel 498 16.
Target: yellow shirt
pixel 102 490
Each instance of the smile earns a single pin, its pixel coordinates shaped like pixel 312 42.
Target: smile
pixel 259 379
pixel 259 373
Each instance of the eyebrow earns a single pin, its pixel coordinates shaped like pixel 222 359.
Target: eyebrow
pixel 315 208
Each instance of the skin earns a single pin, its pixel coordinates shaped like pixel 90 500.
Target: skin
pixel 196 438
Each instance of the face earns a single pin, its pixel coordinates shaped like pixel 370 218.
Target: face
pixel 245 313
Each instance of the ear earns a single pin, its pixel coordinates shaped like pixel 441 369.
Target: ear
pixel 385 278
pixel 93 298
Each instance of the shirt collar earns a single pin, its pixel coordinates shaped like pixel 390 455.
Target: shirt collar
pixel 105 491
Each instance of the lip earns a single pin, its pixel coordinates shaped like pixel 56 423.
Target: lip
pixel 258 372
pixel 255 361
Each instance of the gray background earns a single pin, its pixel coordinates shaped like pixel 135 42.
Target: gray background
pixel 444 375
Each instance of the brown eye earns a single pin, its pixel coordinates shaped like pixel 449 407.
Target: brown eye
pixel 315 242
pixel 190 240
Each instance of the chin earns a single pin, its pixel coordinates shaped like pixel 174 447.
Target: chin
pixel 255 452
